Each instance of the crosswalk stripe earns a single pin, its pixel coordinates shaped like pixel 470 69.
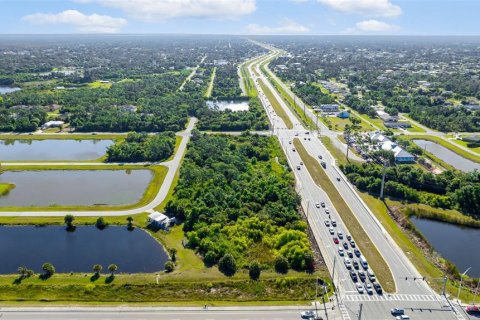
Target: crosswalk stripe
pixel 392 297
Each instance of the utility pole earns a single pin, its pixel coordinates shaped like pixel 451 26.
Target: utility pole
pixel 444 284
pixel 475 295
pixel 323 298
pixel 360 312
pixel 316 295
pixel 384 172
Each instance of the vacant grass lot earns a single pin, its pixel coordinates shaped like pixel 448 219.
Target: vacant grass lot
pixel 143 289
pixel 375 259
pixel 208 93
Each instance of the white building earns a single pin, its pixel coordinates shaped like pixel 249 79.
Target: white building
pixel 52 124
pixel 160 220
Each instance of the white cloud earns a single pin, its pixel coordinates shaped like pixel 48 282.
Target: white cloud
pixel 94 23
pixel 286 27
pixel 371 26
pixel 383 8
pixel 158 10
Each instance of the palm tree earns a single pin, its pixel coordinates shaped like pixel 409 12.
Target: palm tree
pixel 130 223
pixel 23 272
pixel 97 268
pixel 68 219
pixel 173 254
pixel 112 268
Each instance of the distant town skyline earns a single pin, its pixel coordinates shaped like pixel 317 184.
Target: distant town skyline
pixel 307 17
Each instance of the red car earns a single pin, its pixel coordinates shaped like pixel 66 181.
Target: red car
pixel 472 310
pixel 335 239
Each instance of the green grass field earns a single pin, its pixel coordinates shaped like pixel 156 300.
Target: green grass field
pixel 375 259
pixel 208 93
pixel 99 84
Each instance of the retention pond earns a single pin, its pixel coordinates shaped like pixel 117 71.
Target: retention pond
pixel 74 187
pixel 455 243
pixel 53 149
pixel 132 251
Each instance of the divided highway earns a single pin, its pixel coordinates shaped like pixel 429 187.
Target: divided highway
pixel 416 296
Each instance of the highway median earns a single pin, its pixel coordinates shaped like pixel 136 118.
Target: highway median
pixel 368 248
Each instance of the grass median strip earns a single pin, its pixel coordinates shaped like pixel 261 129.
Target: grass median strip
pixel 375 259
pixel 276 105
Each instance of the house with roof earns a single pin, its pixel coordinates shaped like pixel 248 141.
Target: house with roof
pixel 401 155
pixel 160 220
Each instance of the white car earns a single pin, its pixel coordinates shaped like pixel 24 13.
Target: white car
pixel 327 211
pixel 334 222
pixel 317 205
pixel 307 314
pixel 369 288
pixel 340 251
pixel 327 223
pixel 360 288
pixel 402 317
pixel 331 231
pixel 340 234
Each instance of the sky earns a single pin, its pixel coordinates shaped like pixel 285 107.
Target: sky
pixel 246 17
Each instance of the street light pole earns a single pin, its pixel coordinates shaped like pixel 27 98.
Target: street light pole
pixel 461 280
pixel 476 289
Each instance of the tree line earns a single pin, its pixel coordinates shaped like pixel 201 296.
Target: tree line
pixel 140 147
pixel 448 190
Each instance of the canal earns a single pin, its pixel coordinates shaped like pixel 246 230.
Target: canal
pixel 447 155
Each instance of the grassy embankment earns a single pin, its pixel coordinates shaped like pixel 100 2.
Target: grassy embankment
pixel 375 259
pixel 208 93
pixel 464 144
pixel 63 136
pixel 447 145
pixel 159 173
pixel 5 188
pixel 275 104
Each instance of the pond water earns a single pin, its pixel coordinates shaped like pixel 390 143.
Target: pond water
pixel 447 155
pixel 53 149
pixel 223 105
pixel 132 251
pixel 4 90
pixel 455 243
pixel 74 187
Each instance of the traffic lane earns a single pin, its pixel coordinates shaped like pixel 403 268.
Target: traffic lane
pixel 416 310
pixel 395 260
pixel 313 194
pixel 147 315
